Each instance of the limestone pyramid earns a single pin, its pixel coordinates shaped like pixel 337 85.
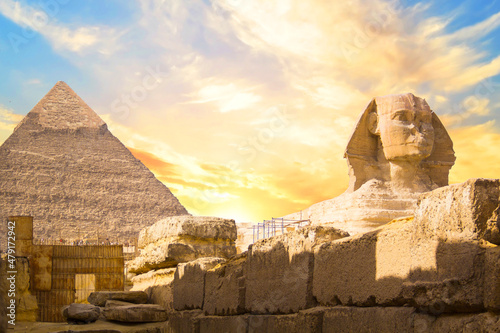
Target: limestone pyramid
pixel 64 167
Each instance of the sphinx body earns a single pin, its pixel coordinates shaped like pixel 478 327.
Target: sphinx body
pixel 398 149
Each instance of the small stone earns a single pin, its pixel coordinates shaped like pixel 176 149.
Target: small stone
pixel 81 313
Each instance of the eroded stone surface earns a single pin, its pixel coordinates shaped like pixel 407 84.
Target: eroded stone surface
pixel 184 238
pixel 136 313
pixel 460 212
pixel 189 283
pixel 99 298
pixel 279 270
pixel 195 226
pixel 225 287
pixel 158 285
pixel 375 319
pixel 365 269
pixel 399 148
pixel 439 259
pixel 83 313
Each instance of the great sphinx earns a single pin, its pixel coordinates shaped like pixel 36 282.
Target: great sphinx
pixel 399 148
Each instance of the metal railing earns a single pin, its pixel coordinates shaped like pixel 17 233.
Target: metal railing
pixel 270 228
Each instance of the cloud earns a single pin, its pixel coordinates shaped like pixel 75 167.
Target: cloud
pixel 256 100
pixel 227 97
pixel 44 22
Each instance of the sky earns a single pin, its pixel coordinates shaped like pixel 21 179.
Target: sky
pixel 243 108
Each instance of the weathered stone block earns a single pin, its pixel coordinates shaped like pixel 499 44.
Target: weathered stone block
pixel 136 313
pixel 460 212
pixel 487 322
pixel 99 298
pixel 184 238
pixel 41 262
pixel 280 270
pixel 194 226
pixel 225 324
pixel 310 320
pixel 365 269
pixel 158 285
pixel 225 288
pixel 189 283
pixel 437 259
pixel 26 304
pixel 184 321
pixel 81 313
pixel 342 319
pixel 492 279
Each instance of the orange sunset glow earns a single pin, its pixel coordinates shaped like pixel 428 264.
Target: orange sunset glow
pixel 243 109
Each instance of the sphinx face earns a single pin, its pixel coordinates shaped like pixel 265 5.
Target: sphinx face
pixel 406 133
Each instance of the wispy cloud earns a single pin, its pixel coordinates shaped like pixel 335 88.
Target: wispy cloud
pixel 45 23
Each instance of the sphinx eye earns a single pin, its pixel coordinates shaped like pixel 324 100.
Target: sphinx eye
pixel 402 115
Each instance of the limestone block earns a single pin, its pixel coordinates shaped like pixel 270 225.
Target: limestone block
pixel 180 239
pixel 225 287
pixel 158 285
pixel 492 279
pixel 81 313
pixel 184 321
pixel 171 251
pixel 487 322
pixel 341 319
pixel 226 324
pixel 310 320
pixel 194 226
pixel 99 298
pixel 136 313
pixel 280 270
pixel 26 304
pixel 41 262
pixel 460 212
pixel 365 269
pixel 189 283
pixel 448 276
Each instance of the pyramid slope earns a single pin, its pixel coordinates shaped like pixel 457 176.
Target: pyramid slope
pixel 61 108
pixel 63 166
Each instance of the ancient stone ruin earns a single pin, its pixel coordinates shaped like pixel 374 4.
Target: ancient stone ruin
pixel 62 166
pixel 398 149
pixel 400 251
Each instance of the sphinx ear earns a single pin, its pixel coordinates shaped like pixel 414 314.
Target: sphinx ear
pixel 373 123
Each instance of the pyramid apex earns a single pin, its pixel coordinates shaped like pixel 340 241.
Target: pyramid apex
pixel 62 108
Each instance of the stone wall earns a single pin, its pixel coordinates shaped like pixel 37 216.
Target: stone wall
pixel 435 272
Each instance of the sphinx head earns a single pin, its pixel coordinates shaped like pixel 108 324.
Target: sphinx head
pixel 399 139
pixel 404 125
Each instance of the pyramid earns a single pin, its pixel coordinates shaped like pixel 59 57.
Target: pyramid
pixel 63 166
